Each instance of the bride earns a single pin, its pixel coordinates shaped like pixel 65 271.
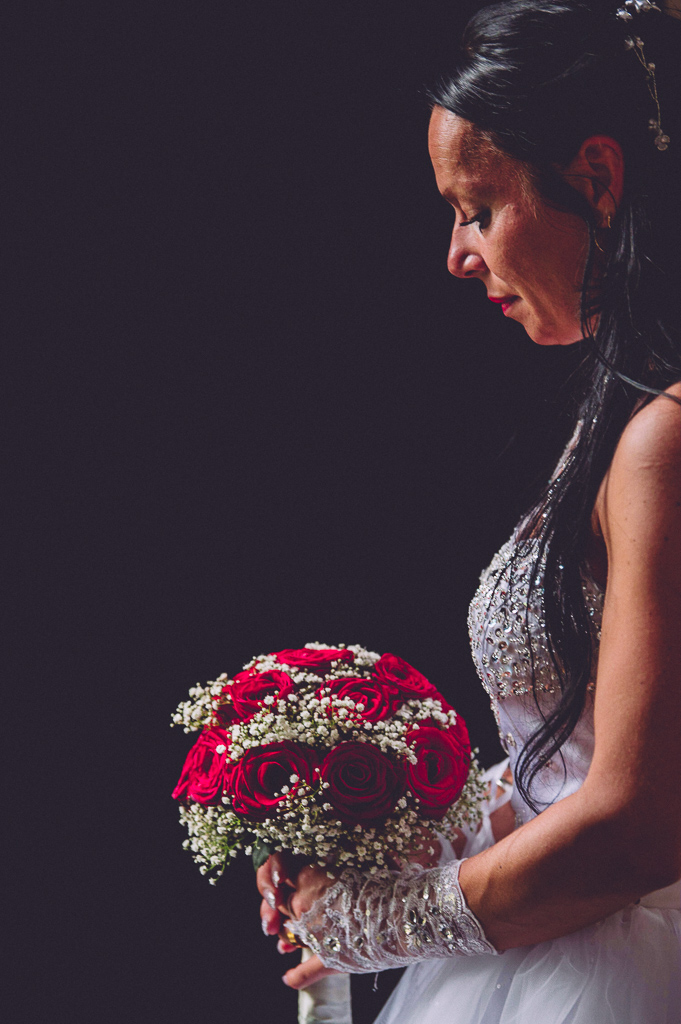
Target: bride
pixel 549 141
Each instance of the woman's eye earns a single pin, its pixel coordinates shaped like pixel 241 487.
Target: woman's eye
pixel 481 219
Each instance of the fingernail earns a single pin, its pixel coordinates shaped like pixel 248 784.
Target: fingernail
pixel 270 899
pixel 285 981
pixel 276 877
pixel 264 926
pixel 280 946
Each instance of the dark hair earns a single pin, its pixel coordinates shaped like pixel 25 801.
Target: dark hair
pixel 537 78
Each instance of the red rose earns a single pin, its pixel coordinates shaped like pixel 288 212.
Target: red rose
pixel 458 731
pixel 255 782
pixel 203 776
pixel 440 773
pixel 380 700
pixel 391 669
pixel 248 692
pixel 312 658
pixel 364 784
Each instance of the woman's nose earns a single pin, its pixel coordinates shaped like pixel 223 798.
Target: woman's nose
pixel 462 259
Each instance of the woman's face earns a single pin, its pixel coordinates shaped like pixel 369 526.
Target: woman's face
pixel 529 256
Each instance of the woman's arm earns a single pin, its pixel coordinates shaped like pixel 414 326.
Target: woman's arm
pixel 619 836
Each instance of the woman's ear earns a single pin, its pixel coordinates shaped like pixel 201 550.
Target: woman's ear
pixel 597 171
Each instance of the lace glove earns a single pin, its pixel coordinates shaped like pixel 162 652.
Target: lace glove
pixel 365 923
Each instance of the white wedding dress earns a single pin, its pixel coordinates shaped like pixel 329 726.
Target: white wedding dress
pixel 625 969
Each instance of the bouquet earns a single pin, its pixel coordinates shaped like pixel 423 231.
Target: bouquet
pixel 334 753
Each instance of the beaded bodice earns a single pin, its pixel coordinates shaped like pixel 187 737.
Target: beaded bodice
pixel 509 644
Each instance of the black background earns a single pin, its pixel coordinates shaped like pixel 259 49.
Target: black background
pixel 246 407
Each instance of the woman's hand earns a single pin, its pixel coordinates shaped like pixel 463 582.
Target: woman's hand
pixel 289 889
pixel 273 882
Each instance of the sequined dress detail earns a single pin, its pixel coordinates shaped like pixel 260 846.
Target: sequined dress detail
pixel 508 641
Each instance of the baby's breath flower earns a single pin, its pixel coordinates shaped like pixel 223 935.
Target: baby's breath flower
pixel 305 822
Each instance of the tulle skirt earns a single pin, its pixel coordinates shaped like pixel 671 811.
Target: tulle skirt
pixel 625 969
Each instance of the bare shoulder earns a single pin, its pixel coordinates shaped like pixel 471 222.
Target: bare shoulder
pixel 652 435
pixel 642 489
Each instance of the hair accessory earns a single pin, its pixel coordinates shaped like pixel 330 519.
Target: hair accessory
pixel 661 140
pixel 632 7
pixel 626 13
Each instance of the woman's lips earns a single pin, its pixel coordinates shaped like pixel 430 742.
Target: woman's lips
pixel 505 301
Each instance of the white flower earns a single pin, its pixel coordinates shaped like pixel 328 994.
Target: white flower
pixel 216 833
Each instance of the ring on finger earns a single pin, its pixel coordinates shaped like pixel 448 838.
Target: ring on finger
pixel 291 937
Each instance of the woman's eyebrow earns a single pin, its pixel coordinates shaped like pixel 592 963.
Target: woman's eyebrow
pixel 465 193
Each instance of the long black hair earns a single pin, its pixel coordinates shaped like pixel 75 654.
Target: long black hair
pixel 537 78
